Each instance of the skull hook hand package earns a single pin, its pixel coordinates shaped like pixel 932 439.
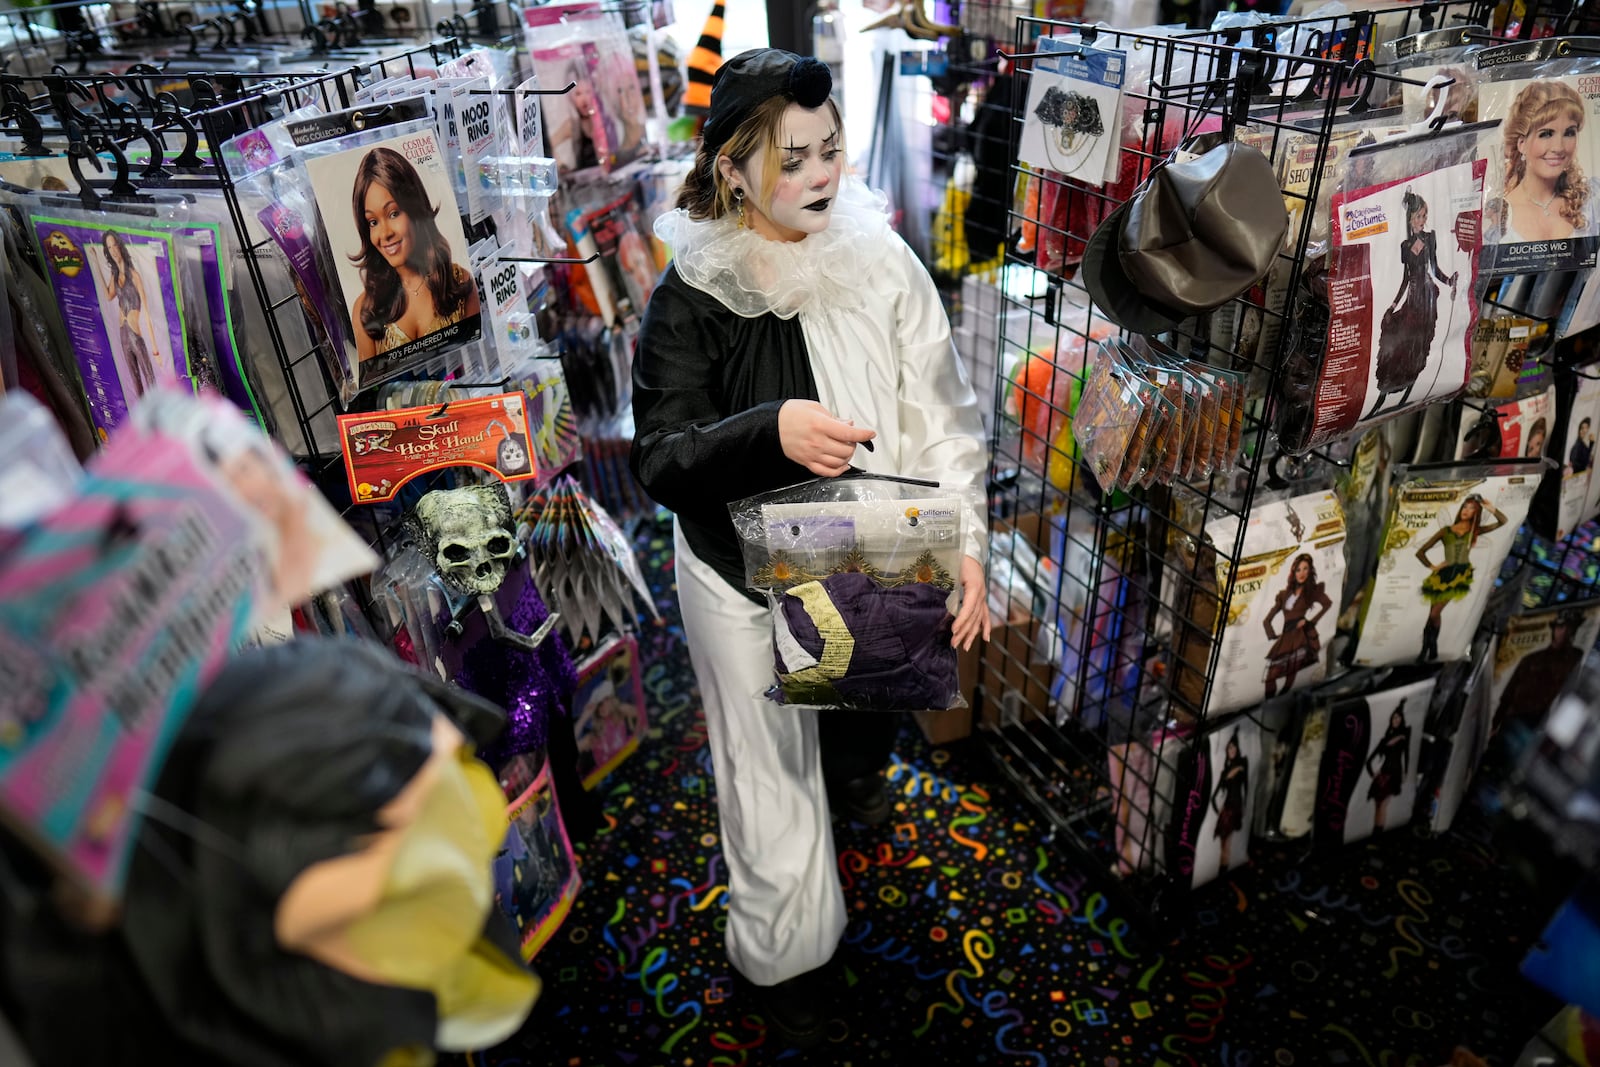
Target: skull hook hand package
pixel 862 573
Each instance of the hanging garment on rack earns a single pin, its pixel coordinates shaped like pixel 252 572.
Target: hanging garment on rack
pixel 989 142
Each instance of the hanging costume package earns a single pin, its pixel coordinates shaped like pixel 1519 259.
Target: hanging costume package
pixel 1577 465
pixel 536 873
pixel 1501 355
pixel 1457 734
pixel 1401 294
pixel 1449 529
pixel 610 709
pixel 386 202
pixel 1216 801
pixel 1518 430
pixel 1535 657
pixel 1369 762
pixel 1291 806
pixel 116 279
pixel 275 201
pixel 1289 576
pixel 1445 53
pixel 861 573
pixel 1540 212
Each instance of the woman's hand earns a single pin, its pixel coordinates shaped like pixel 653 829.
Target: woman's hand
pixel 813 438
pixel 974 615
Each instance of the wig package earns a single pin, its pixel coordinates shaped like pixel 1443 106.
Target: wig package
pixel 863 575
pixel 1540 211
pixel 1446 52
pixel 1449 528
pixel 384 198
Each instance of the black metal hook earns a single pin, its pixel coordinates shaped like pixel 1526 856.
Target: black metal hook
pixel 1362 76
pixel 28 126
pixel 170 114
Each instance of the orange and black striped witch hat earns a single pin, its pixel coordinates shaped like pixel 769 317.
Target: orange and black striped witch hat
pixel 704 62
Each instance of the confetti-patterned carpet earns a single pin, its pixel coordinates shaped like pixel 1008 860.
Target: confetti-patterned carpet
pixel 973 942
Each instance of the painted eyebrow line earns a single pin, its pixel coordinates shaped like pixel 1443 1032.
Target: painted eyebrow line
pixel 832 137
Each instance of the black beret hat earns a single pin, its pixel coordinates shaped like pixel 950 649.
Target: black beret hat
pixel 751 78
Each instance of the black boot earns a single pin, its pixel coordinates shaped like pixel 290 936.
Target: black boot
pixel 864 800
pixel 1430 643
pixel 795 1010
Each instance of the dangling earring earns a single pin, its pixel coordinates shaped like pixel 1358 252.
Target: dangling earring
pixel 738 202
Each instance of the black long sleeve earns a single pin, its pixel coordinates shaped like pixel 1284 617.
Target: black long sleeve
pixel 707 386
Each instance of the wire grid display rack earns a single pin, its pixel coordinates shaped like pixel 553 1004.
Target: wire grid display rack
pixel 220 104
pixel 1119 631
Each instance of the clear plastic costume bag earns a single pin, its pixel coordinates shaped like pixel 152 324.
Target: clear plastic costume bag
pixel 862 573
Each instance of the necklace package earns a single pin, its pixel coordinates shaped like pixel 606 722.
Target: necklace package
pixel 862 573
pixel 1540 212
pixel 1401 278
pixel 1449 529
pixel 1369 762
pixel 1073 113
pixel 1290 575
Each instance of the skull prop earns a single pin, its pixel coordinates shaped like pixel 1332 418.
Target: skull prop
pixel 469 535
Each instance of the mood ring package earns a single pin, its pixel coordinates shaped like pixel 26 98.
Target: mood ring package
pixel 862 574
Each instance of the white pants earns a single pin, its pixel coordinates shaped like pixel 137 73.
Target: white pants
pixel 785 908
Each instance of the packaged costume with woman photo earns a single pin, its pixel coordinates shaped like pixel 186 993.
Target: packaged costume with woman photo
pixel 577 129
pixel 1518 430
pixel 610 709
pixel 1369 763
pixel 1536 657
pixel 1400 292
pixel 394 231
pixel 536 875
pixel 1215 808
pixel 1540 213
pixel 117 284
pixel 1289 578
pixel 1578 460
pixel 1449 529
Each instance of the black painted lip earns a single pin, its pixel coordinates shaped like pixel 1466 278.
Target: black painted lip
pixel 820 205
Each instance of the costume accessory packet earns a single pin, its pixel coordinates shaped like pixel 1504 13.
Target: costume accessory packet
pixel 863 575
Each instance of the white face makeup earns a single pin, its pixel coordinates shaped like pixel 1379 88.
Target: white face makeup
pixel 810 163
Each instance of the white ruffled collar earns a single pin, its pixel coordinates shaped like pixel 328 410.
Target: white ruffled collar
pixel 752 276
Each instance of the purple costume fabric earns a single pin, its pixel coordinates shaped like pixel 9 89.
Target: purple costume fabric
pixel 531 686
pixel 902 659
